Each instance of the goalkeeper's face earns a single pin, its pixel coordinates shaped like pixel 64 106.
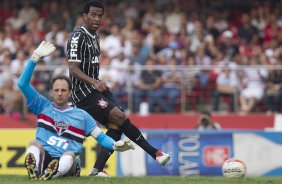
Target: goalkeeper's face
pixel 60 93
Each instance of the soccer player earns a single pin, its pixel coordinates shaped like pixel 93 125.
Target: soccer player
pixel 92 94
pixel 60 128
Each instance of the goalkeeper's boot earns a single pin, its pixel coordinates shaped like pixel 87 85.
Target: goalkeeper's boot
pixel 30 165
pixel 162 157
pixel 95 172
pixel 51 170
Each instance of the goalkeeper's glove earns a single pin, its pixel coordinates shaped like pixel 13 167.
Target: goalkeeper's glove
pixel 43 50
pixel 123 145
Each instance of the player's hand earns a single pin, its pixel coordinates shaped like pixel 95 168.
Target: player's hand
pixel 101 86
pixel 43 50
pixel 123 145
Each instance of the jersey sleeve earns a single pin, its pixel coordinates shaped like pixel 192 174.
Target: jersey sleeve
pixel 90 124
pixel 38 104
pixel 74 47
pixel 35 101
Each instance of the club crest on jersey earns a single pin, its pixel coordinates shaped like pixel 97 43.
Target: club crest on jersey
pixel 102 103
pixel 61 127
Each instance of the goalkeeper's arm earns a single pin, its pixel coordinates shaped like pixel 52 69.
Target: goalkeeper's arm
pixel 109 143
pixel 44 49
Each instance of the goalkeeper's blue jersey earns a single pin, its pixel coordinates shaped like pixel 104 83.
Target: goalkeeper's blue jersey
pixel 60 130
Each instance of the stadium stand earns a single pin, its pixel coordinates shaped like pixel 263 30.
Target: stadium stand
pixel 199 40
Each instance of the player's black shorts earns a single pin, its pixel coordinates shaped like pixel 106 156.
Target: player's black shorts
pixel 99 105
pixel 48 158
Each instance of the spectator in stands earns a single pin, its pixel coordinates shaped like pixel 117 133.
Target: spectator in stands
pixel 18 63
pixel 210 27
pixel 203 61
pixel 227 84
pixel 111 44
pixel 166 97
pixel 227 47
pixel 255 85
pixel 119 67
pixel 170 52
pixel 191 82
pixel 27 12
pixel 54 14
pixel 116 77
pixel 247 33
pixel 15 20
pixel 62 68
pixel 11 99
pixel 2 110
pixel 273 92
pixel 152 17
pixel 150 82
pixel 5 61
pixel 173 19
pixel 205 122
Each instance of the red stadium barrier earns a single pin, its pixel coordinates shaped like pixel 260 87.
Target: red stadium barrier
pixel 169 121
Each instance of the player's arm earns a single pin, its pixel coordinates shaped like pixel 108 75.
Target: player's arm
pixel 109 143
pixel 75 55
pixel 103 139
pixel 76 72
pixel 44 49
pixel 24 81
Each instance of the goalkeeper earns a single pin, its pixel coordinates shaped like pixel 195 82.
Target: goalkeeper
pixel 60 128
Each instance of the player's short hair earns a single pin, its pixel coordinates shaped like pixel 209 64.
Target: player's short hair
pixel 60 77
pixel 92 3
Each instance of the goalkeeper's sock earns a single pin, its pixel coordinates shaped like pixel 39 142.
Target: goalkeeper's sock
pixel 133 133
pixel 104 154
pixel 65 164
pixel 36 152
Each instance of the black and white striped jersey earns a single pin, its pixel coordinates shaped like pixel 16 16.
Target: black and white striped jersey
pixel 83 47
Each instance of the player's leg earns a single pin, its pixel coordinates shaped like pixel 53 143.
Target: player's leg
pixel 119 118
pixel 33 159
pixel 116 117
pixel 104 154
pixel 68 165
pixel 99 106
pixel 51 170
pixel 48 166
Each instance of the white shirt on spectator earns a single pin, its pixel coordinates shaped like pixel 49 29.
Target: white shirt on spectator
pixel 255 85
pixel 111 45
pixel 228 81
pixel 173 22
pixel 120 68
pixel 27 14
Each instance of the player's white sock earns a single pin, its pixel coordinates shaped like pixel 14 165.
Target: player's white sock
pixel 65 163
pixel 36 152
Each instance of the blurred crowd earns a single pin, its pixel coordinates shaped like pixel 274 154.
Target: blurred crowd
pixel 162 52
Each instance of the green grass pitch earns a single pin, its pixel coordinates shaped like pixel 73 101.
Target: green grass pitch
pixel 14 179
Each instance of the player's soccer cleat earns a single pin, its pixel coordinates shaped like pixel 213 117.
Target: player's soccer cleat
pixel 162 158
pixel 50 170
pixel 103 174
pixel 30 164
pixel 95 172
